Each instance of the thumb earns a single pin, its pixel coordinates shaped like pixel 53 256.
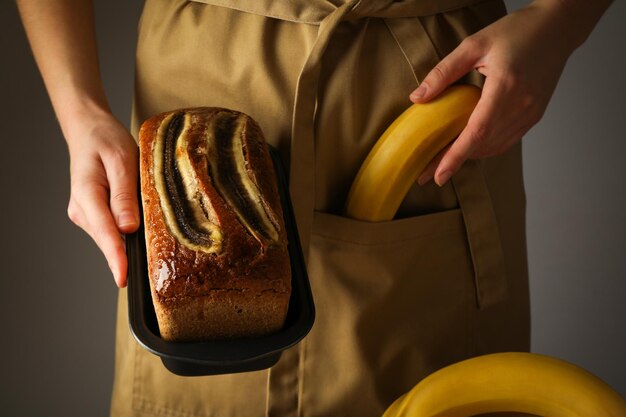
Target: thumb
pixel 452 67
pixel 122 173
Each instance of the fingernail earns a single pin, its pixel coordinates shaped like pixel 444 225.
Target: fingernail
pixel 424 178
pixel 126 218
pixel 443 178
pixel 419 93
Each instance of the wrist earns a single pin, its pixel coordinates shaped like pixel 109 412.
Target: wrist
pixel 574 20
pixel 77 112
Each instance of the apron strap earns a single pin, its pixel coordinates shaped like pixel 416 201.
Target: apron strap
pixel 313 12
pixel 283 383
pixel 302 161
pixel 469 182
pixel 482 233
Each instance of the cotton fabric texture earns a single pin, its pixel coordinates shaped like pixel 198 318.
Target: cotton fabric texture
pixel 396 300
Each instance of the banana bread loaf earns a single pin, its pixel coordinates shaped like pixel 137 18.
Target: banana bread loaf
pixel 215 236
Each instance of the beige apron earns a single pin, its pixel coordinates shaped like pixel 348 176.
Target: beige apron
pixel 444 281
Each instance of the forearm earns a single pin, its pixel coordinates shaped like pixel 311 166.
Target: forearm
pixel 576 19
pixel 62 36
pixel 103 154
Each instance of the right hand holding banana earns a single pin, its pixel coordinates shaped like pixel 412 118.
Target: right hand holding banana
pixel 405 149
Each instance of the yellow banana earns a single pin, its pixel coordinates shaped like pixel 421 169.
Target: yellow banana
pixel 405 149
pixel 510 382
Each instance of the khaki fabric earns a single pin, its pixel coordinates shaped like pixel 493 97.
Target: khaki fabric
pixel 445 280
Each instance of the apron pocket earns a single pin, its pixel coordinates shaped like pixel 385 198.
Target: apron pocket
pixel 393 301
pixel 336 227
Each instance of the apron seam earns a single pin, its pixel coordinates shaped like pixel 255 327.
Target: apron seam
pixel 137 398
pixel 301 374
pixel 285 17
pixel 440 56
pixel 470 300
pixel 447 233
pixel 267 392
pixel 261 13
pixel 406 57
pixel 165 411
pixel 150 407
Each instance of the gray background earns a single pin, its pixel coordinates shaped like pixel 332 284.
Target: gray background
pixel 57 302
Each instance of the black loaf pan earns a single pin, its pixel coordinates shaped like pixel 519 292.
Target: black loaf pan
pixel 221 356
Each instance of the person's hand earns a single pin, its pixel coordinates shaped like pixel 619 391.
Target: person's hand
pixel 103 155
pixel 103 202
pixel 522 56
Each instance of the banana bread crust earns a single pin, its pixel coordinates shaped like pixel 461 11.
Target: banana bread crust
pixel 239 283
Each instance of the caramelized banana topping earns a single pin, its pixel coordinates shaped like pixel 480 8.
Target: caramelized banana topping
pixel 195 150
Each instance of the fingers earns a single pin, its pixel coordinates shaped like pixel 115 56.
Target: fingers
pixel 475 140
pixel 456 64
pixel 476 135
pixel 430 169
pixel 121 170
pixel 89 209
pixel 104 172
pixel 459 62
pixel 522 67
